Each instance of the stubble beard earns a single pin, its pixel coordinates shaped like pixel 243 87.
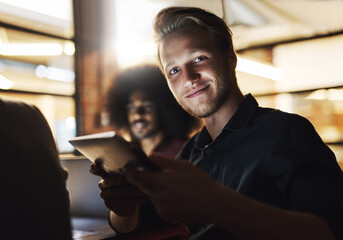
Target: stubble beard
pixel 213 106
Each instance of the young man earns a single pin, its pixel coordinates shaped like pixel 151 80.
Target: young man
pixel 141 105
pixel 261 173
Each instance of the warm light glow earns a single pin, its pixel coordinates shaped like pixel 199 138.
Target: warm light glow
pixel 131 52
pixel 330 133
pixel 318 95
pixel 5 83
pixel 331 94
pixel 61 9
pixel 69 49
pixel 258 69
pixel 70 122
pixel 134 35
pixel 31 49
pixel 335 94
pixel 2 66
pixel 54 73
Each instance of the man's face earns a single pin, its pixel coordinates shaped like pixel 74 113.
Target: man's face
pixel 197 71
pixel 142 116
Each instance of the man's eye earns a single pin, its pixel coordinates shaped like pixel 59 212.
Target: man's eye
pixel 131 109
pixel 173 71
pixel 198 59
pixel 147 107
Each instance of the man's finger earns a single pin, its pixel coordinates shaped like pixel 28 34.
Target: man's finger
pixel 143 179
pixel 97 168
pixel 121 192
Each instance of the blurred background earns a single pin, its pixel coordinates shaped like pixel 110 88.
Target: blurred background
pixel 62 56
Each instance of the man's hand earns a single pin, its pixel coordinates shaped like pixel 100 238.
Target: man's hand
pixel 184 193
pixel 180 191
pixel 120 196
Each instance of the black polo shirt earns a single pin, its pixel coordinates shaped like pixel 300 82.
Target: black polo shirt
pixel 274 157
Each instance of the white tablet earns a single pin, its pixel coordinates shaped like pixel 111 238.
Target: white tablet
pixel 115 151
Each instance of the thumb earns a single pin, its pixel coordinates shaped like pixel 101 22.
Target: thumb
pixel 167 163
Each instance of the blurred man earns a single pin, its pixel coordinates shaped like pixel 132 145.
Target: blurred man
pixel 141 104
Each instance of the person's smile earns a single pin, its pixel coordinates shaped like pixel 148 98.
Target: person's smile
pixel 140 124
pixel 197 91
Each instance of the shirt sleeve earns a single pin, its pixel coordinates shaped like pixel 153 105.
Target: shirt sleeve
pixel 308 177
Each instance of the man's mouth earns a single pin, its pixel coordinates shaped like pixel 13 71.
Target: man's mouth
pixel 139 124
pixel 197 91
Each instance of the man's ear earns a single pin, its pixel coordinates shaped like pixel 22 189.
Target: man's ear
pixel 232 63
pixel 232 60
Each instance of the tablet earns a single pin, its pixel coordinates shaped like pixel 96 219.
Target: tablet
pixel 115 151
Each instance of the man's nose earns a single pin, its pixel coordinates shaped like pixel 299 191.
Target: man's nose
pixel 140 110
pixel 191 74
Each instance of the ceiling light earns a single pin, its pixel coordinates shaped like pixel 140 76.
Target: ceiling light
pixel 5 83
pixel 31 49
pixel 54 73
pixel 323 94
pixel 320 94
pixel 258 69
pixel 69 49
pixel 335 94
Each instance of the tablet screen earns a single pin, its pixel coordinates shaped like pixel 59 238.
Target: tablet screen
pixel 115 151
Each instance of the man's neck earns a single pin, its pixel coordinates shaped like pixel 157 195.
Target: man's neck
pixel 150 143
pixel 216 122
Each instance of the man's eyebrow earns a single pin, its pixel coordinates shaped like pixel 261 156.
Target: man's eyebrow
pixel 147 100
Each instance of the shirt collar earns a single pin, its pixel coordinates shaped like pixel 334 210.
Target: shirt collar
pixel 239 120
pixel 244 113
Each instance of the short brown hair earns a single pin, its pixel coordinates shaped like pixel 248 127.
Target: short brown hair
pixel 172 19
